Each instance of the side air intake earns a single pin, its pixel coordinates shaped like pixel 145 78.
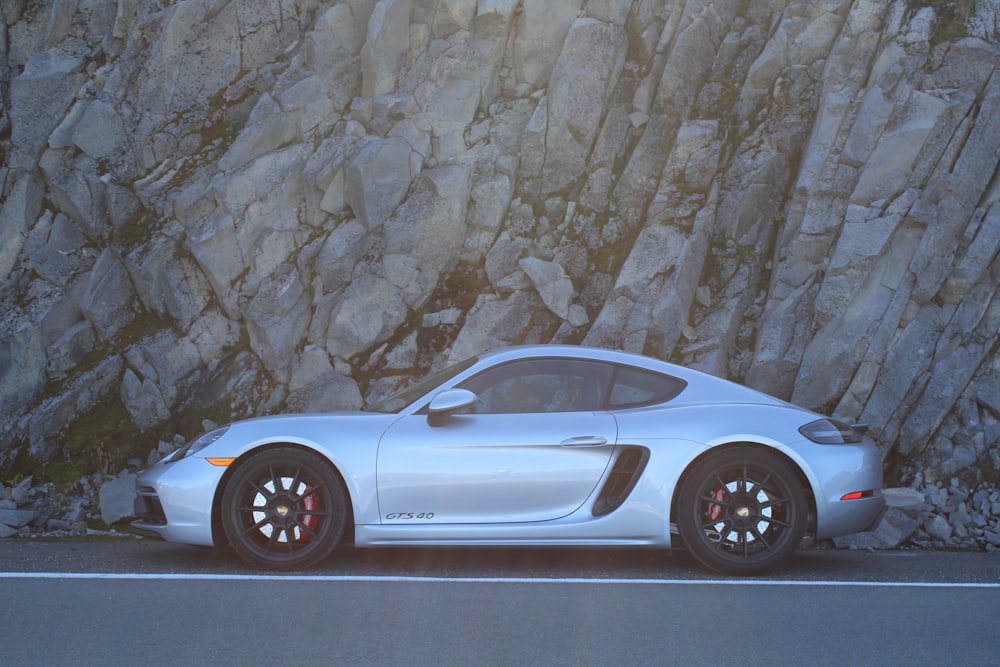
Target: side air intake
pixel 624 474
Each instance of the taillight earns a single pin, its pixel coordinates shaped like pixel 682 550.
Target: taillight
pixel 831 432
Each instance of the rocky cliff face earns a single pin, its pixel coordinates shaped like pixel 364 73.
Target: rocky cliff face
pixel 219 208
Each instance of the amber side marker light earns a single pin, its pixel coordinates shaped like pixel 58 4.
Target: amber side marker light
pixel 855 495
pixel 221 462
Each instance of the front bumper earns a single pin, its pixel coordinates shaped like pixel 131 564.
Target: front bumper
pixel 174 501
pixel 148 512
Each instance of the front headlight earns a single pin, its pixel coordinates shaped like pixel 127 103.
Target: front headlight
pixel 198 444
pixel 831 432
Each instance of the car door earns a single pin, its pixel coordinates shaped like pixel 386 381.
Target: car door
pixel 533 449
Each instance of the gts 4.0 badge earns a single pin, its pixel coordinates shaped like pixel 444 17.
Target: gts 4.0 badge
pixel 396 516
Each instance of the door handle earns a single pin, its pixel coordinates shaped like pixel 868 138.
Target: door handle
pixel 585 441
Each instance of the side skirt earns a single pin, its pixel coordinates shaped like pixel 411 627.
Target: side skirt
pixel 600 532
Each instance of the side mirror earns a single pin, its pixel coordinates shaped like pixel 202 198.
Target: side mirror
pixel 447 403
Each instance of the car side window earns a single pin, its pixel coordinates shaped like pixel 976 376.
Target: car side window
pixel 541 385
pixel 634 387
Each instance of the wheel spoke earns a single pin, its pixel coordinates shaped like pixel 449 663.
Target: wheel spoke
pixel 309 491
pixel 275 481
pixel 252 508
pixel 759 536
pixel 306 529
pixel 726 529
pixel 272 540
pixel 724 511
pixel 774 502
pixel 261 489
pixel 295 482
pixel 775 522
pixel 721 484
pixel 712 523
pixel 257 526
pixel 760 485
pixel 314 512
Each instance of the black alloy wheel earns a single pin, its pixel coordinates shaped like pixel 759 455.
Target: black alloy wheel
pixel 284 509
pixel 742 511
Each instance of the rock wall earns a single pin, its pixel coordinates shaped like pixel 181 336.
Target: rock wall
pixel 221 208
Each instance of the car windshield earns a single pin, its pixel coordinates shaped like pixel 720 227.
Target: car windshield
pixel 401 399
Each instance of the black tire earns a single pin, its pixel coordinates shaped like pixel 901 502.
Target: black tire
pixel 742 511
pixel 284 509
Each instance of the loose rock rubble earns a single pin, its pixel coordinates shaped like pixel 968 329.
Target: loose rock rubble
pixel 27 509
pixel 96 504
pixel 935 516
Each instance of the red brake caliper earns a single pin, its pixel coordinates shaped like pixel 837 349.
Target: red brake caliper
pixel 311 504
pixel 715 511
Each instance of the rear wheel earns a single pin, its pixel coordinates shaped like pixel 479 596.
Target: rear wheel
pixel 742 511
pixel 284 509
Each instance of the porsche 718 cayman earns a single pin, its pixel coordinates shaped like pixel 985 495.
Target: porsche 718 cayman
pixel 530 446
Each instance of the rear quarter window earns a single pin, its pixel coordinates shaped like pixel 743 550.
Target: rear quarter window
pixel 635 387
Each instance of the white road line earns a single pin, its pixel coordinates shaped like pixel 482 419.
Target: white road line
pixel 488 580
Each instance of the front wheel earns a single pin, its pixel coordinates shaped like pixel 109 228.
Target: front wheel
pixel 284 509
pixel 742 511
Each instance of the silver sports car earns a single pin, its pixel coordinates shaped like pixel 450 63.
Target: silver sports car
pixel 543 445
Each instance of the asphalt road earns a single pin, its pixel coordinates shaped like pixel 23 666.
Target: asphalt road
pixel 125 601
